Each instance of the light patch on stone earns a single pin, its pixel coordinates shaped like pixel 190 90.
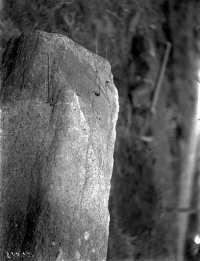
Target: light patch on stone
pixel 60 256
pixel 78 255
pixel 82 117
pixel 93 250
pixel 78 119
pixel 86 236
pixel 79 241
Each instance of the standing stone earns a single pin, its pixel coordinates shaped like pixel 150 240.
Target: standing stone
pixel 59 108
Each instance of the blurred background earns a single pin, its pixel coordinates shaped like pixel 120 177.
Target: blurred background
pixel 153 48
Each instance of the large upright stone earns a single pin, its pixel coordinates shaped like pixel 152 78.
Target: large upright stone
pixel 59 108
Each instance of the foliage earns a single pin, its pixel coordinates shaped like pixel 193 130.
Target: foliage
pixel 101 26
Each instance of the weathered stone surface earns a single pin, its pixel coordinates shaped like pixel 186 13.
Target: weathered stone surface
pixel 59 108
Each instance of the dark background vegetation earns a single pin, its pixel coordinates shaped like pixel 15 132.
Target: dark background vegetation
pixel 149 152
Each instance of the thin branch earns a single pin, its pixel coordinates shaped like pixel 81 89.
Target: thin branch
pixel 36 5
pixel 161 76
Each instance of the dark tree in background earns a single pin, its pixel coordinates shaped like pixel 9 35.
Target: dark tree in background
pixel 150 150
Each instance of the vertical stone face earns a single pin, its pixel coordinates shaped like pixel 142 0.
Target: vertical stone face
pixel 59 108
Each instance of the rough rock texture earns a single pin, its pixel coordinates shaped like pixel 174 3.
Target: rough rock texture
pixel 59 108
